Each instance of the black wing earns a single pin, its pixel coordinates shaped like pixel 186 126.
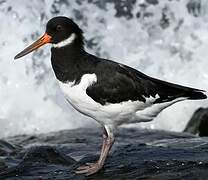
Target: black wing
pixel 117 83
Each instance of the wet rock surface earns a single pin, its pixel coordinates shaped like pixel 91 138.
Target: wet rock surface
pixel 137 154
pixel 198 124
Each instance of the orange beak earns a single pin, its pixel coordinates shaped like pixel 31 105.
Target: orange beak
pixel 40 42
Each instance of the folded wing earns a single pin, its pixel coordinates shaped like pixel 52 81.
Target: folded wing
pixel 117 83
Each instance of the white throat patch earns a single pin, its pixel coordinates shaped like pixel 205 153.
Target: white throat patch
pixel 65 42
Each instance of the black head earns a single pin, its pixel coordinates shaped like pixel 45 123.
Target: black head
pixel 60 28
pixel 60 31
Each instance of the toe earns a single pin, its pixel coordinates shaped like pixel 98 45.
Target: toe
pixel 93 171
pixel 82 167
pixel 88 169
pixel 90 164
pixel 82 171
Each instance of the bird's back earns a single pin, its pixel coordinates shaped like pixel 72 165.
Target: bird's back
pixel 118 82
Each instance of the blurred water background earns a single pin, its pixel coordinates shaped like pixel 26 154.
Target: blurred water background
pixel 167 39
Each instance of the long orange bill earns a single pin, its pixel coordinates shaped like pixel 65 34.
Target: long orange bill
pixel 40 42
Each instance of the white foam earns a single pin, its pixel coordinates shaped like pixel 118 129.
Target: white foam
pixel 30 98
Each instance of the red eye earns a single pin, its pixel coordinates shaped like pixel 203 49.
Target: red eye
pixel 59 28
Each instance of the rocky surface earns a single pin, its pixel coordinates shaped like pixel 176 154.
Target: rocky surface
pixel 137 154
pixel 198 124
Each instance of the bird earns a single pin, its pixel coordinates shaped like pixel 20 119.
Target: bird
pixel 109 92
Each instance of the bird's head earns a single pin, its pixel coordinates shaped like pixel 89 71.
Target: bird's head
pixel 60 32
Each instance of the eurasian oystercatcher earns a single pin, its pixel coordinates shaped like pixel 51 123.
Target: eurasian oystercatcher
pixel 111 93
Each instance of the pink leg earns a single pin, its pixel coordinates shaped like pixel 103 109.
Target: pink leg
pixel 91 168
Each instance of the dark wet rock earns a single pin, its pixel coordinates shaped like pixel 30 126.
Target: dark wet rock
pixel 198 124
pixel 137 154
pixel 37 158
pixel 7 149
pixel 203 128
pixel 2 166
pixel 46 154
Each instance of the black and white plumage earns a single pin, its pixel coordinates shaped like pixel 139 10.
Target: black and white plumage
pixel 109 92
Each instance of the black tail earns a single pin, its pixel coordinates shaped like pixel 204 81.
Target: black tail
pixel 172 91
pixel 168 91
pixel 197 94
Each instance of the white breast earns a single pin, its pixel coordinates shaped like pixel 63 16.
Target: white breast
pixel 113 114
pixel 77 97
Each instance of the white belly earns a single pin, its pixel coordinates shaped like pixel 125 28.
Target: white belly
pixel 110 114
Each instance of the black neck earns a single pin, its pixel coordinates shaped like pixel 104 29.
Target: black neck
pixel 65 61
pixel 68 62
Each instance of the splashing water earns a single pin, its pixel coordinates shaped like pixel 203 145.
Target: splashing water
pixel 161 40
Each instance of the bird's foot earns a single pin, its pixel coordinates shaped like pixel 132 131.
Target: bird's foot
pixel 89 168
